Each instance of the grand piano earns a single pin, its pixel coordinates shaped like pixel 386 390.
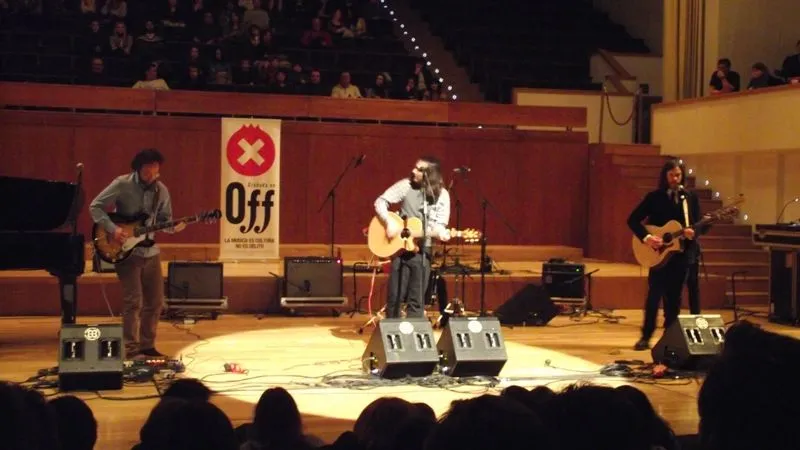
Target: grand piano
pixel 783 242
pixel 38 231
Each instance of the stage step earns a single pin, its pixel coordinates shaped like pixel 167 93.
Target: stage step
pixel 735 255
pixel 731 230
pixel 712 242
pixel 727 268
pixel 748 298
pixel 748 283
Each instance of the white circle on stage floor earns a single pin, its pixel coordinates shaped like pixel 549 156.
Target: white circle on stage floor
pixel 304 360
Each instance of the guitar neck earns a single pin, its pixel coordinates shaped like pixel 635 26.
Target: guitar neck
pixel 165 225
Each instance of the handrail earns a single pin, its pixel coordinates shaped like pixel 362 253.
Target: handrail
pixel 723 97
pixel 176 102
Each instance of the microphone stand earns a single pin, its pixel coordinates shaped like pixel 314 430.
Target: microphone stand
pixel 332 197
pixel 485 204
pixel 457 267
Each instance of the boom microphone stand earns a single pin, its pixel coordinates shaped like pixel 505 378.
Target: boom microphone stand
pixel 354 162
pixel 485 204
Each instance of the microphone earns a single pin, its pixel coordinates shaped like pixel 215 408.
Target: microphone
pixel 786 205
pixel 462 169
pixel 79 166
pixel 360 160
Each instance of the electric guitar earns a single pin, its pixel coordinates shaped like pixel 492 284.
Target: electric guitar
pixel 383 247
pixel 672 233
pixel 112 251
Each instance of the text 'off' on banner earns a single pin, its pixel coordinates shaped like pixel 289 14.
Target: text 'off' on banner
pixel 250 189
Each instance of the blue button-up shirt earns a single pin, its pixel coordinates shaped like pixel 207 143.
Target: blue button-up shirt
pixel 131 197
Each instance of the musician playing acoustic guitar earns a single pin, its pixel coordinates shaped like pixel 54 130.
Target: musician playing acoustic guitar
pixel 140 274
pixel 421 195
pixel 669 202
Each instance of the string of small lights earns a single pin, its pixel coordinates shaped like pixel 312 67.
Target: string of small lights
pixel 415 45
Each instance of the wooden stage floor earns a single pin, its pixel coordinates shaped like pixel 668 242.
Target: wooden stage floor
pixel 298 353
pixel 251 287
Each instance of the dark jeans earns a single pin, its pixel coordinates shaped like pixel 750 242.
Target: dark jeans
pixel 693 286
pixel 667 283
pixel 408 280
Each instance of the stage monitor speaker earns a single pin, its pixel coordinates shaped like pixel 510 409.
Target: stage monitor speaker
pixel 90 357
pixel 313 281
pixel 529 306
pixel 692 342
pixel 400 348
pixel 472 346
pixel 564 280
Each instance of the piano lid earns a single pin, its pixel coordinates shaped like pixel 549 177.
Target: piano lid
pixel 28 204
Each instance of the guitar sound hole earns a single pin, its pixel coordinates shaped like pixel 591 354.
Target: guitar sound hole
pixel 405 234
pixel 667 238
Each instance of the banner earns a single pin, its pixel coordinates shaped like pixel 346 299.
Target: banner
pixel 250 189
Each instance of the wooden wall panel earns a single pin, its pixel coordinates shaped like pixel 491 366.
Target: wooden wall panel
pixel 536 180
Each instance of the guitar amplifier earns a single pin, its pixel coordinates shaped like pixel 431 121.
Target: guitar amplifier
pixel 564 280
pixel 312 281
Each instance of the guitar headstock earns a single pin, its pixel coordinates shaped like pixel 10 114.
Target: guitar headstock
pixel 468 235
pixel 210 216
pixel 726 212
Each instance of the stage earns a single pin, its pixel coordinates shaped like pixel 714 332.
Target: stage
pixel 318 361
pixel 254 287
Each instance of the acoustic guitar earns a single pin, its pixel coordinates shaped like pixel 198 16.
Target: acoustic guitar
pixel 383 247
pixel 112 251
pixel 672 233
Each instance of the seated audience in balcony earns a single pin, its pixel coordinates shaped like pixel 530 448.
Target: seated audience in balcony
pixel 149 45
pixel 380 89
pixel 316 36
pixel 256 16
pixel 280 85
pixel 219 64
pixel 194 79
pixel 96 73
pixel 409 91
pixel 314 85
pixel 115 9
pixel 253 49
pixel 296 77
pixel 88 7
pixel 345 89
pixel 172 16
pixel 761 78
pixel 422 77
pixel 339 27
pixel 207 32
pixel 120 42
pixel 152 79
pixel 274 9
pixel 434 92
pixel 724 80
pixel 791 67
pixel 244 74
pixel 196 13
pixel 267 41
pixel 95 42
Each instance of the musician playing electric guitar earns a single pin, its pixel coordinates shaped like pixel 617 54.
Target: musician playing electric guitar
pixel 669 202
pixel 421 195
pixel 140 274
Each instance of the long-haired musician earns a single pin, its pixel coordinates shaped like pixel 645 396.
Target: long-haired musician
pixel 422 195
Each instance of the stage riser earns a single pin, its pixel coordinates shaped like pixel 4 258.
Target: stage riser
pixel 352 253
pixel 39 296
